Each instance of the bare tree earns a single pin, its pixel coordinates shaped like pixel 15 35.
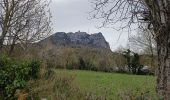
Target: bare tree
pixel 23 21
pixel 154 13
pixel 143 42
pixel 119 59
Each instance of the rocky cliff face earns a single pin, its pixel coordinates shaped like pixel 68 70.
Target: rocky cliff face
pixel 78 39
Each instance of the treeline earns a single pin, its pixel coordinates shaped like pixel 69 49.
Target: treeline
pixel 79 58
pixel 84 58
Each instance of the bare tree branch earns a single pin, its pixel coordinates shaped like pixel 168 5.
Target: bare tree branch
pixel 24 21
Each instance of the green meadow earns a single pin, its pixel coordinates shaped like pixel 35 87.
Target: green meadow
pixel 111 85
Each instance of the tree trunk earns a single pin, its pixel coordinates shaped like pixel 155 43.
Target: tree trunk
pixel 163 72
pixel 11 49
pixel 1 41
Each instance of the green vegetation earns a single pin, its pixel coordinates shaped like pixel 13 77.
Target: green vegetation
pixel 133 62
pixel 15 75
pixel 112 84
pixel 72 84
pixel 89 85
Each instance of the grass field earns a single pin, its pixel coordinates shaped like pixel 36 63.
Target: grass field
pixel 111 85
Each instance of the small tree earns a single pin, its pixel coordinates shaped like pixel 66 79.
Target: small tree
pixel 133 61
pixel 119 59
pixel 127 55
pixel 82 65
pixel 135 65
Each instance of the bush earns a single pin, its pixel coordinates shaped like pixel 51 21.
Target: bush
pixel 69 66
pixel 86 65
pixel 34 66
pixel 82 64
pixel 15 75
pixel 93 68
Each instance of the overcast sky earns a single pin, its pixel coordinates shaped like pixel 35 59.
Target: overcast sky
pixel 72 16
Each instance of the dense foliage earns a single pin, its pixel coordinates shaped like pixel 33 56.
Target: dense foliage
pixel 127 55
pixel 134 63
pixel 15 75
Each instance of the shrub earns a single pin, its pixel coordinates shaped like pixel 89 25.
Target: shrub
pixel 69 66
pixel 14 75
pixel 86 65
pixel 93 68
pixel 82 64
pixel 35 68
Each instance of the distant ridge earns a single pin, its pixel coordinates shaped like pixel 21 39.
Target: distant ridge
pixel 78 39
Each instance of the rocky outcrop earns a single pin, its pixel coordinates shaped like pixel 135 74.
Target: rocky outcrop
pixel 78 39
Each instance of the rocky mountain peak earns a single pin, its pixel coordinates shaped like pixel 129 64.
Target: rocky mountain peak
pixel 95 40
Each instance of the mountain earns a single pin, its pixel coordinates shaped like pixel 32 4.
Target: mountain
pixel 78 39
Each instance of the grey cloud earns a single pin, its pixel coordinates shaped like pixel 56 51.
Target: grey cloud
pixel 72 16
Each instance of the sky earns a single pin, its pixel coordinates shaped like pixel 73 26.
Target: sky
pixel 73 16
